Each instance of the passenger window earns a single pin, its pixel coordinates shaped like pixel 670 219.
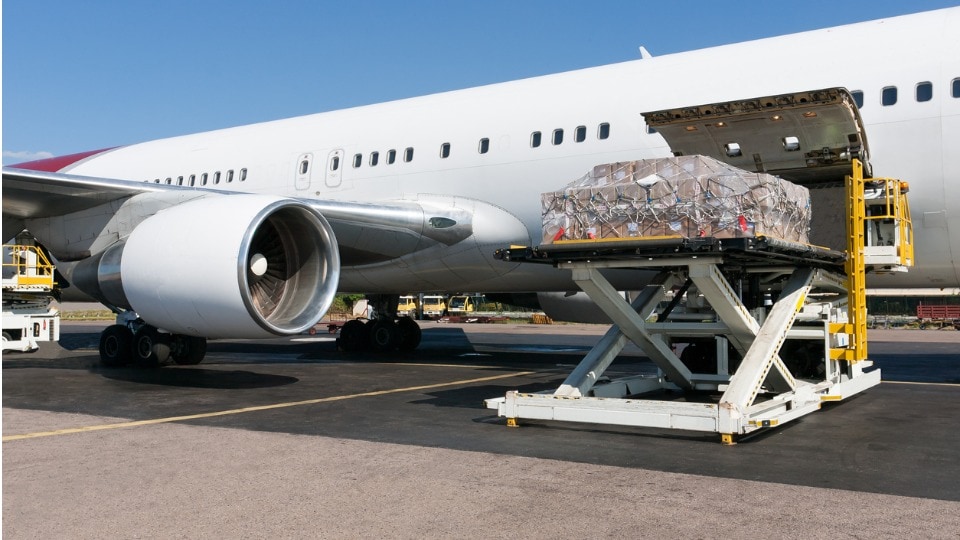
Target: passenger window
pixel 888 96
pixel 169 180
pixel 484 145
pixel 408 154
pixel 604 131
pixel 193 179
pixel 858 98
pixel 335 163
pixel 304 165
pixel 445 150
pixel 391 157
pixel 156 180
pixel 557 136
pixel 580 134
pixel 374 158
pixel 216 177
pixel 924 91
pixel 230 176
pixel 179 180
pixel 357 160
pixel 203 179
pixel 955 90
pixel 243 174
pixel 535 139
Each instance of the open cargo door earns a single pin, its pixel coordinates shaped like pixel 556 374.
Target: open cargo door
pixel 807 137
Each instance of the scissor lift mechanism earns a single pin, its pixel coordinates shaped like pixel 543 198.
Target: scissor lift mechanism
pixel 821 299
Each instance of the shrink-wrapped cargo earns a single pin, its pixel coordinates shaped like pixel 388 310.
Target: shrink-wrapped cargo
pixel 689 196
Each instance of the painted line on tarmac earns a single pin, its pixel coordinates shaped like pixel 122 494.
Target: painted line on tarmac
pixel 922 383
pixel 101 427
pixel 418 364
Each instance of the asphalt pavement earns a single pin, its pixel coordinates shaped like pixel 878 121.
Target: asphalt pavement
pixel 291 438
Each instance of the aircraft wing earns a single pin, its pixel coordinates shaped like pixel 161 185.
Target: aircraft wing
pixel 366 232
pixel 31 194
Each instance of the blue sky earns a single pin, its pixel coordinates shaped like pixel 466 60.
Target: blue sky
pixel 86 75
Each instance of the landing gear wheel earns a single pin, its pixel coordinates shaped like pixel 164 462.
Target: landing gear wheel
pixel 150 347
pixel 188 350
pixel 700 357
pixel 116 346
pixel 409 334
pixel 384 335
pixel 353 336
pixel 803 358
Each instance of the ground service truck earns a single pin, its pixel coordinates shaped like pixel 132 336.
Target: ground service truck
pixel 28 291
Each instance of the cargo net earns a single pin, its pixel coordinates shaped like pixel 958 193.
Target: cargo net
pixel 689 196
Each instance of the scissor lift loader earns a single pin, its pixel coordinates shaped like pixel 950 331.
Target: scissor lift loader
pixel 800 342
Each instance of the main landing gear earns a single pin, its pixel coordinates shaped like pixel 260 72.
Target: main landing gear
pixel 146 346
pixel 385 333
pixel 379 335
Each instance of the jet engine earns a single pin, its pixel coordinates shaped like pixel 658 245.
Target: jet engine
pixel 222 266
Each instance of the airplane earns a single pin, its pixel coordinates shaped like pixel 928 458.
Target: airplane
pixel 250 231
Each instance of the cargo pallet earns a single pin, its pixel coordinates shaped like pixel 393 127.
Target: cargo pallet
pixel 796 292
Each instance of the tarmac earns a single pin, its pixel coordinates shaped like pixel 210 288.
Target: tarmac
pixel 289 438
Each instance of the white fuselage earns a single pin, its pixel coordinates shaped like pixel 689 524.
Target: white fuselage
pixel 912 140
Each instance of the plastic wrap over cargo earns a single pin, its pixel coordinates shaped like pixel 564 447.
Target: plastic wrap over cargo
pixel 689 196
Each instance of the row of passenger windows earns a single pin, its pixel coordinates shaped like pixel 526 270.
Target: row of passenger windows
pixel 483 146
pixel 390 158
pixel 888 96
pixel 204 178
pixel 922 92
pixel 579 135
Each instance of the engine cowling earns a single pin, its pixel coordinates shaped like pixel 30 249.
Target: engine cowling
pixel 223 266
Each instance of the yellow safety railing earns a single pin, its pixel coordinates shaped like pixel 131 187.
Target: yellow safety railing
pixel 895 207
pixel 892 206
pixel 855 267
pixel 27 266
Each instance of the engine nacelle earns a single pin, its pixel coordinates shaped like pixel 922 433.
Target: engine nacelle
pixel 222 266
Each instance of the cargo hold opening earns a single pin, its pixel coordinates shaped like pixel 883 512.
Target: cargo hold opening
pixel 809 138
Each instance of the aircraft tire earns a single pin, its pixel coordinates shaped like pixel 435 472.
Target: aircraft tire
pixel 353 336
pixel 700 357
pixel 150 347
pixel 410 334
pixel 116 346
pixel 188 350
pixel 384 335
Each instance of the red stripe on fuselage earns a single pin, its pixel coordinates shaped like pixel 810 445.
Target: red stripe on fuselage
pixel 56 164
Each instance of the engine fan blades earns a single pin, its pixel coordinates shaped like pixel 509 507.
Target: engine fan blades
pixel 270 257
